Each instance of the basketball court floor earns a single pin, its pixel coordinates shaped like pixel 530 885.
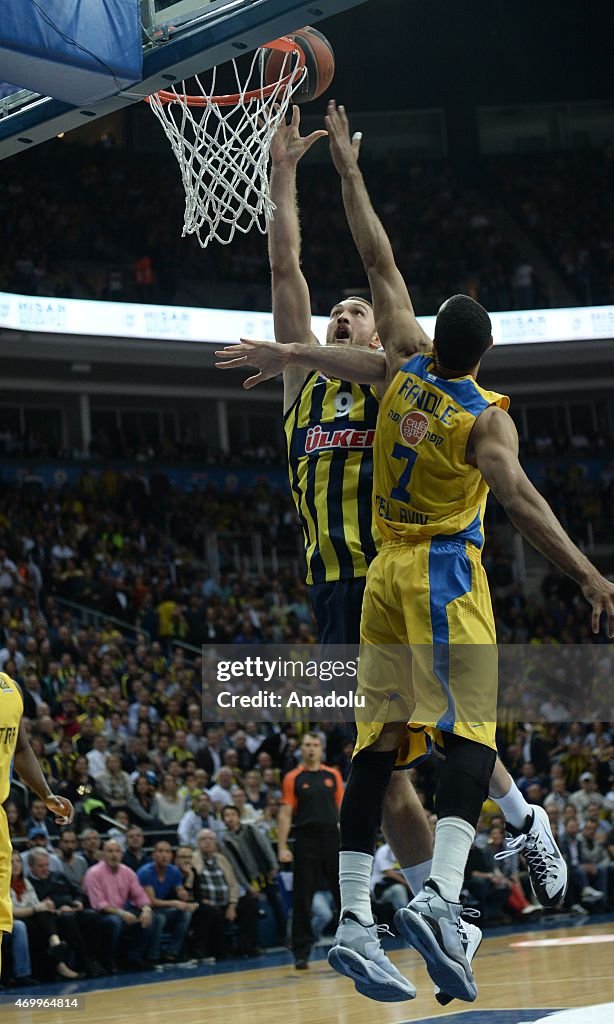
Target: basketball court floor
pixel 523 977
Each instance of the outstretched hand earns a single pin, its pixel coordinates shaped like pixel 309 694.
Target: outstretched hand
pixel 599 593
pixel 288 145
pixel 269 357
pixel 343 150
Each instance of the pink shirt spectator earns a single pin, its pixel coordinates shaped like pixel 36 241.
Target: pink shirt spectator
pixel 106 888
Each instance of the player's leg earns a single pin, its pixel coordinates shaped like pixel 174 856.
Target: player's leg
pixel 455 681
pixel 357 951
pixel 432 922
pixel 530 832
pixel 471 628
pixel 407 830
pixel 6 907
pixel 337 609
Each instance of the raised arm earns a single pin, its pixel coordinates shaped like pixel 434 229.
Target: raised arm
pixel 493 446
pixel 291 302
pixel 395 320
pixel 361 365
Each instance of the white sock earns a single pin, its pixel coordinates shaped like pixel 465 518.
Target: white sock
pixel 355 884
pixel 453 839
pixel 514 805
pixel 417 875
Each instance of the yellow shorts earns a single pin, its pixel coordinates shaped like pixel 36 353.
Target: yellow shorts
pixel 428 654
pixel 6 853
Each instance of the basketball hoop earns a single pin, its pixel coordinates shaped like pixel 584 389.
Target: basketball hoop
pixel 222 143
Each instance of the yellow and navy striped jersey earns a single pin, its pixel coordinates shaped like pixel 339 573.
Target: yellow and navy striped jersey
pixel 11 710
pixel 329 432
pixel 422 485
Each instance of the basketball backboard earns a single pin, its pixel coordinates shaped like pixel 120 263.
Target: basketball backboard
pixel 180 39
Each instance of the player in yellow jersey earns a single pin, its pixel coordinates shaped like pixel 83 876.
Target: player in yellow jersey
pixel 428 654
pixel 16 752
pixel 548 871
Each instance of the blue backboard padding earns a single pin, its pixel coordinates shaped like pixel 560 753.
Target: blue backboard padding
pixel 78 51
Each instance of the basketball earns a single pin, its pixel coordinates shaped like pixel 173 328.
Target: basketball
pixel 319 61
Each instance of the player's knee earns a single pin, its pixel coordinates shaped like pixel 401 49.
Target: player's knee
pixel 465 778
pixel 401 795
pixel 377 762
pixel 390 738
pixel 399 790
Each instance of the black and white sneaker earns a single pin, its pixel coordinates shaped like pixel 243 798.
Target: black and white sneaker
pixel 436 929
pixel 547 869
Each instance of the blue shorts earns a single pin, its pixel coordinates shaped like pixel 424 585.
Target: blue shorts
pixel 337 607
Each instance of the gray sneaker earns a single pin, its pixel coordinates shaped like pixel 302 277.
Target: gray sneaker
pixel 357 953
pixel 470 945
pixel 436 929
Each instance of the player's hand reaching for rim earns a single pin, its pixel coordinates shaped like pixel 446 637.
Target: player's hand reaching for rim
pixel 599 593
pixel 288 145
pixel 343 150
pixel 269 357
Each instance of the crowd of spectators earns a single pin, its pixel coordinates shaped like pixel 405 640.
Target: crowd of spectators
pixel 126 743
pixel 131 546
pixel 577 480
pixel 580 500
pixel 63 233
pixel 125 542
pixel 565 201
pixel 115 719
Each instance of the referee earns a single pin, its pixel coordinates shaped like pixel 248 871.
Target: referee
pixel 311 797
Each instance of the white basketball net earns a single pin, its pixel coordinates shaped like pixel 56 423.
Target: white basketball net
pixel 223 150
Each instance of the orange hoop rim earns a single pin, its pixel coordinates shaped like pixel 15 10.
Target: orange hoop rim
pixel 284 44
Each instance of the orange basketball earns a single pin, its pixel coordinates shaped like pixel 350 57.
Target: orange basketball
pixel 319 61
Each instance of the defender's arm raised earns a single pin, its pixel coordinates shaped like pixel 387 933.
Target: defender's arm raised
pixel 399 331
pixel 361 365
